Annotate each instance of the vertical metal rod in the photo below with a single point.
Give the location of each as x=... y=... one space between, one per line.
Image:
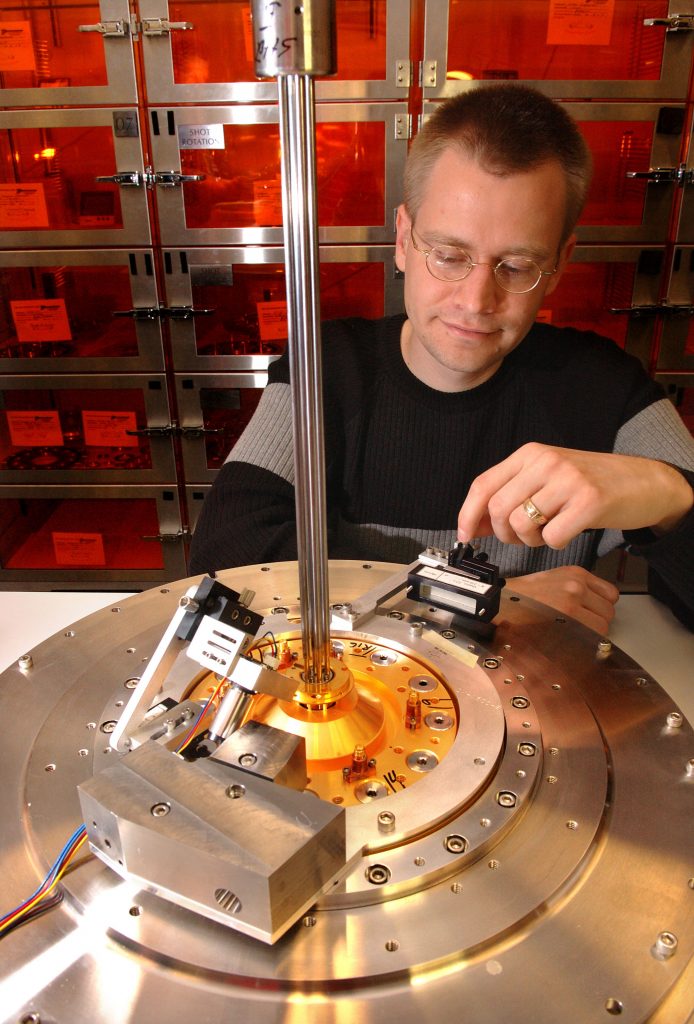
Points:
x=297 y=135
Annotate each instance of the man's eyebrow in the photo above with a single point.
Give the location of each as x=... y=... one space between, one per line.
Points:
x=538 y=254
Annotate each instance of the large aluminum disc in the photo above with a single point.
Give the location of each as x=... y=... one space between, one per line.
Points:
x=539 y=866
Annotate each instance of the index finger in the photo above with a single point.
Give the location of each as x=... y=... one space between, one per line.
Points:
x=473 y=519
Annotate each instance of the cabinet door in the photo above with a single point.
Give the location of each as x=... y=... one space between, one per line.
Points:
x=232 y=302
x=202 y=51
x=66 y=53
x=73 y=310
x=230 y=161
x=603 y=50
x=50 y=161
x=82 y=537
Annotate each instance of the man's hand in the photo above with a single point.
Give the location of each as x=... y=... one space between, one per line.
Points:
x=573 y=591
x=573 y=491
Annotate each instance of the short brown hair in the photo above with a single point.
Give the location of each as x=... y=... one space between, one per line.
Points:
x=508 y=129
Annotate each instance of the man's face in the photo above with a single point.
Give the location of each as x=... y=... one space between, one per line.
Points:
x=459 y=332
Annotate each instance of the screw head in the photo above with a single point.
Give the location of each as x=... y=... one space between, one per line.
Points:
x=159 y=810
x=664 y=946
x=26 y=661
x=675 y=720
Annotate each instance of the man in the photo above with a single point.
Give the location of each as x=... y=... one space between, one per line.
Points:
x=466 y=418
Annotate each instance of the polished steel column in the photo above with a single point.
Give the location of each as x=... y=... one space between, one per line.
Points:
x=294 y=42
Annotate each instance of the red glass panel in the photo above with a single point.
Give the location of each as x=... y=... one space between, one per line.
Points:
x=585 y=296
x=86 y=297
x=41 y=533
x=45 y=48
x=220 y=47
x=241 y=187
x=346 y=289
x=509 y=39
x=617 y=147
x=53 y=170
x=225 y=413
x=89 y=441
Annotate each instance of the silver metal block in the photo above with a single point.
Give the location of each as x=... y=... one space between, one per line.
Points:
x=267 y=753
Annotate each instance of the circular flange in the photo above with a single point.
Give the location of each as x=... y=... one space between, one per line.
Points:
x=556 y=877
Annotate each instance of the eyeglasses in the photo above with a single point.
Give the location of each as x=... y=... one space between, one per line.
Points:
x=514 y=274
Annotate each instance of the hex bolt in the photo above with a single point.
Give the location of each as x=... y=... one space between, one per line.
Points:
x=248 y=760
x=159 y=810
x=527 y=749
x=506 y=799
x=26 y=661
x=689 y=769
x=448 y=634
x=416 y=629
x=491 y=663
x=604 y=646
x=664 y=946
x=107 y=727
x=395 y=615
x=520 y=702
x=675 y=720
x=189 y=603
x=386 y=821
x=279 y=609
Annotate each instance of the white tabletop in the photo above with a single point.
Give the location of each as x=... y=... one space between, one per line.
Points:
x=642 y=627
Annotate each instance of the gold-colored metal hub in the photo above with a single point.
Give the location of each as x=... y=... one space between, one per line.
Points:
x=363 y=739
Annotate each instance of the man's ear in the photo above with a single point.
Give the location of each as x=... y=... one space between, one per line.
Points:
x=403 y=225
x=565 y=254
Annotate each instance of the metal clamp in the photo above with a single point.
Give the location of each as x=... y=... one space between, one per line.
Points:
x=169 y=538
x=142 y=313
x=170 y=179
x=200 y=431
x=131 y=178
x=108 y=29
x=184 y=312
x=162 y=26
x=674 y=23
x=680 y=175
x=165 y=431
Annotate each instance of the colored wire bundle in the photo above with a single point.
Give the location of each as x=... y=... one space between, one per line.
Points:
x=46 y=896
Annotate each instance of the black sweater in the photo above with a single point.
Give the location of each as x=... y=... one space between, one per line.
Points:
x=400 y=456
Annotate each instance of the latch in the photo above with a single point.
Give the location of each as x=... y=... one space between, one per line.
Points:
x=680 y=175
x=183 y=312
x=162 y=312
x=161 y=26
x=638 y=311
x=170 y=179
x=165 y=431
x=129 y=178
x=199 y=431
x=108 y=29
x=142 y=313
x=169 y=538
x=674 y=23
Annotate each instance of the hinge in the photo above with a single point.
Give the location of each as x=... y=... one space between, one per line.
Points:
x=162 y=27
x=674 y=23
x=166 y=431
x=639 y=311
x=403 y=126
x=428 y=74
x=403 y=73
x=670 y=309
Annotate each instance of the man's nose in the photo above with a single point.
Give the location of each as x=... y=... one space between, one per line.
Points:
x=478 y=292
